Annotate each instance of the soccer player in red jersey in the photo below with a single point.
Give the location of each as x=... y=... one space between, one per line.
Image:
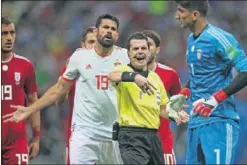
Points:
x=18 y=84
x=172 y=85
x=88 y=42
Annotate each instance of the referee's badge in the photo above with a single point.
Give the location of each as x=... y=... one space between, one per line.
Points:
x=199 y=54
x=158 y=95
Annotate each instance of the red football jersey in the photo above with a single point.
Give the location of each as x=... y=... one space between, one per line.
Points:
x=18 y=79
x=71 y=104
x=171 y=82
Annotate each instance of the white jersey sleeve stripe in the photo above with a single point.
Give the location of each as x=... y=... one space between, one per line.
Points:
x=222 y=36
x=223 y=41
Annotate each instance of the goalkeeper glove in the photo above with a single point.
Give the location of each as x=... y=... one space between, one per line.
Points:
x=204 y=107
x=177 y=101
x=178 y=117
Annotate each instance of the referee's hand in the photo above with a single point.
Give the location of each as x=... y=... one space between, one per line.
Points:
x=145 y=85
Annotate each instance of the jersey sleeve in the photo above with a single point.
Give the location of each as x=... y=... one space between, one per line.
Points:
x=176 y=86
x=230 y=50
x=63 y=70
x=163 y=98
x=30 y=85
x=71 y=72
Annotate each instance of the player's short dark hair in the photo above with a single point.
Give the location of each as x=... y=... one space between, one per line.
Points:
x=88 y=30
x=153 y=35
x=137 y=36
x=200 y=5
x=106 y=16
x=5 y=20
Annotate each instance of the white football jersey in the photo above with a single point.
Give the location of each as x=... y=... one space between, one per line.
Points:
x=95 y=102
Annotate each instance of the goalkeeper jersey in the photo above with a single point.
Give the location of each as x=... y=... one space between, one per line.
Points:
x=211 y=57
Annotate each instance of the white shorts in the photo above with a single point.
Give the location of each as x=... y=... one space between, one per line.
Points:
x=85 y=150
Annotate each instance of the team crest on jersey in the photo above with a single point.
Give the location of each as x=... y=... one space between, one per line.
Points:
x=17 y=78
x=117 y=63
x=199 y=54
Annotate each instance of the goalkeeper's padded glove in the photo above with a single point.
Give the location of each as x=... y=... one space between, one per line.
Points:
x=172 y=114
x=177 y=101
x=204 y=107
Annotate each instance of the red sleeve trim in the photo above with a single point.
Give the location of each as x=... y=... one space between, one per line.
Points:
x=66 y=79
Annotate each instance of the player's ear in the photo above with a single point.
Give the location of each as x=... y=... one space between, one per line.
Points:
x=157 y=50
x=195 y=15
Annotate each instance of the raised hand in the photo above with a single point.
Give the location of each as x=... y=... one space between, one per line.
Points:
x=144 y=84
x=20 y=114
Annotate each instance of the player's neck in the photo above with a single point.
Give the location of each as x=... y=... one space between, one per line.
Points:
x=199 y=26
x=152 y=66
x=102 y=51
x=6 y=56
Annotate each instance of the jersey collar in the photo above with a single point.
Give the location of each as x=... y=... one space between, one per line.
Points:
x=195 y=37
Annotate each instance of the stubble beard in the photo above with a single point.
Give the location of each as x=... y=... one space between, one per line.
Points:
x=105 y=44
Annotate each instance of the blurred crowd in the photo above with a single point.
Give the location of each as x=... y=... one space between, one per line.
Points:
x=49 y=31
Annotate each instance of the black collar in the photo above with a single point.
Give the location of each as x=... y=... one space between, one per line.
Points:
x=195 y=37
x=142 y=72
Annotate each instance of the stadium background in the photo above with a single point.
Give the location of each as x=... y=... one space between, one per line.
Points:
x=49 y=31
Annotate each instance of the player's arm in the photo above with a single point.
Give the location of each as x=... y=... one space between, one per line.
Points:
x=34 y=120
x=118 y=76
x=234 y=54
x=30 y=88
x=53 y=94
x=65 y=97
x=176 y=86
x=60 y=89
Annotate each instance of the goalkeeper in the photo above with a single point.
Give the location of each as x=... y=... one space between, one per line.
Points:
x=211 y=55
x=141 y=100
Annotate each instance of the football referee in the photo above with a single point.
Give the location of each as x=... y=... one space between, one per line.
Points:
x=141 y=100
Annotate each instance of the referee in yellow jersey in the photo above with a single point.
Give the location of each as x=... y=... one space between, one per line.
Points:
x=141 y=100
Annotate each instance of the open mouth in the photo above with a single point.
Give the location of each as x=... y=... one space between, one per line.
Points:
x=108 y=38
x=141 y=59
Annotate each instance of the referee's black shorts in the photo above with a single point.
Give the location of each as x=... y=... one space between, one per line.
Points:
x=140 y=146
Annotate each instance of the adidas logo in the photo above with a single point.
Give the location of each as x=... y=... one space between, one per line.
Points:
x=88 y=66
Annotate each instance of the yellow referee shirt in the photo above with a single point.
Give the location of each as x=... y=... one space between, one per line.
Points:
x=136 y=108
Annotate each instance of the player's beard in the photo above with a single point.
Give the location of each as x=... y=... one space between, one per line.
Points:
x=104 y=43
